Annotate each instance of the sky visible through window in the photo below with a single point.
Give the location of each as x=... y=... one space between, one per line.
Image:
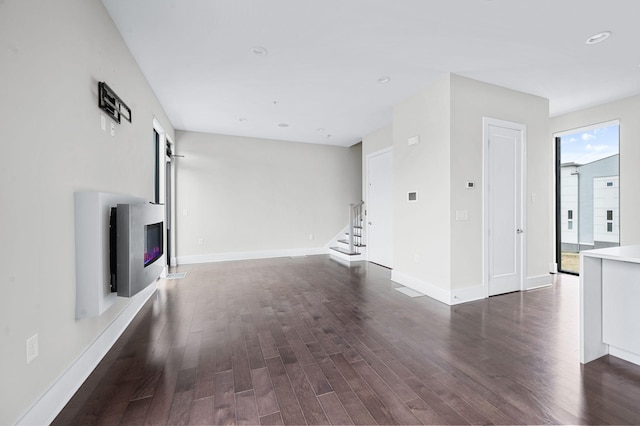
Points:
x=585 y=147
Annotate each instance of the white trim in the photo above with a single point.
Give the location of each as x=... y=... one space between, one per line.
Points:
x=377 y=153
x=49 y=405
x=247 y=255
x=346 y=259
x=540 y=281
x=562 y=133
x=158 y=126
x=486 y=122
x=431 y=290
x=380 y=152
x=467 y=294
x=625 y=355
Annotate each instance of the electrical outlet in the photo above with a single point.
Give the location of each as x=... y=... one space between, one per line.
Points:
x=311 y=236
x=200 y=241
x=32 y=348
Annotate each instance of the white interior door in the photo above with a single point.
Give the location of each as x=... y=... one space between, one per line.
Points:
x=380 y=208
x=504 y=146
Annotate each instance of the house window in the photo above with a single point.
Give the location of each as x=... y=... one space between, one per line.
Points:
x=609 y=183
x=570 y=214
x=609 y=220
x=570 y=225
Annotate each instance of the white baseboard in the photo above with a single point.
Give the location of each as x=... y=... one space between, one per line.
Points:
x=625 y=355
x=345 y=259
x=536 y=282
x=247 y=255
x=433 y=291
x=468 y=294
x=45 y=409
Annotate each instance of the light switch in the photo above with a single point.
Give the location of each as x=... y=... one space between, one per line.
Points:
x=462 y=215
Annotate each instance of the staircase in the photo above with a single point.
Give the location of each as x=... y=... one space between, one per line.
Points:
x=351 y=248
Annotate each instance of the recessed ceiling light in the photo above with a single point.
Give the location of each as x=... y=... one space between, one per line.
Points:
x=242 y=119
x=259 y=51
x=321 y=129
x=283 y=125
x=384 y=80
x=598 y=38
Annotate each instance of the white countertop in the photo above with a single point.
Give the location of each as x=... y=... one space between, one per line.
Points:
x=622 y=253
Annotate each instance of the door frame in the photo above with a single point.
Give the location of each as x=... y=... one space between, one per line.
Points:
x=486 y=122
x=367 y=201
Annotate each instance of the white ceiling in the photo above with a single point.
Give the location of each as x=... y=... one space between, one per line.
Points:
x=325 y=57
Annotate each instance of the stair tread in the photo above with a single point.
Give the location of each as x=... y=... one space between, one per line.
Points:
x=354 y=244
x=344 y=251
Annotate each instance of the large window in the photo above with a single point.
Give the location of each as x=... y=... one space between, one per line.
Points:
x=588 y=199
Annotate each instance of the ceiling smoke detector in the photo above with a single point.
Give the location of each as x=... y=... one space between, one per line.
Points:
x=283 y=125
x=384 y=80
x=598 y=38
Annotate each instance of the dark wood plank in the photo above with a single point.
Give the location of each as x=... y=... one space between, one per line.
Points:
x=307 y=399
x=354 y=406
x=272 y=419
x=267 y=344
x=181 y=408
x=309 y=336
x=224 y=410
x=334 y=409
x=317 y=379
x=398 y=409
x=264 y=393
x=287 y=401
x=202 y=412
x=376 y=407
x=136 y=412
x=246 y=408
x=163 y=395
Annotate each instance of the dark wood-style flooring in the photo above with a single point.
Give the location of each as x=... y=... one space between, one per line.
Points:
x=307 y=340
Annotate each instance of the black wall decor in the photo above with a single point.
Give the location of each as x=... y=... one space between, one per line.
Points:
x=111 y=103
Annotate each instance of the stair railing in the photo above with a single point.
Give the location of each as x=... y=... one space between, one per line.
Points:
x=355 y=225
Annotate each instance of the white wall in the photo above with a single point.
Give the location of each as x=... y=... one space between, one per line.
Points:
x=435 y=253
x=53 y=54
x=470 y=101
x=626 y=110
x=245 y=196
x=422 y=242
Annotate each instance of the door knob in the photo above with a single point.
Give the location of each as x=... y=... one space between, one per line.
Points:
x=519 y=231
x=369 y=223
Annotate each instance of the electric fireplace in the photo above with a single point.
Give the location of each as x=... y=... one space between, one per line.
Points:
x=153 y=248
x=137 y=247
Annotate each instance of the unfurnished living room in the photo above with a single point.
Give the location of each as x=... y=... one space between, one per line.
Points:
x=319 y=212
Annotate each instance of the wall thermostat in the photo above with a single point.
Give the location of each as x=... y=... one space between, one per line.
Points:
x=471 y=185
